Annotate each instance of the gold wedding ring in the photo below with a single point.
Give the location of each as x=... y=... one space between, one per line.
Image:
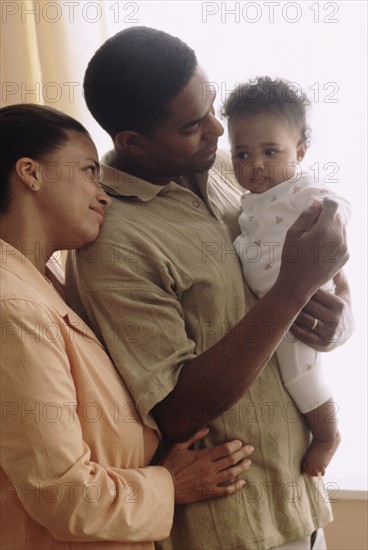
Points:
x=315 y=324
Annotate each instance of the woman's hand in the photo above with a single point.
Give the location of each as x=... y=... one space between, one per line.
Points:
x=201 y=474
x=333 y=314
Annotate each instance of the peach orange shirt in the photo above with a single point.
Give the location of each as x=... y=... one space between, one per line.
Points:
x=73 y=447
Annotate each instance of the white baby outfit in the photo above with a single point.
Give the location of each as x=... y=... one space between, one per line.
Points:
x=264 y=221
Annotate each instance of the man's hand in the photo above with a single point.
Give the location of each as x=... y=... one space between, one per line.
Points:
x=202 y=474
x=315 y=249
x=333 y=313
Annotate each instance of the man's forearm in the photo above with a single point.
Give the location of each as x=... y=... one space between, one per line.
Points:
x=225 y=372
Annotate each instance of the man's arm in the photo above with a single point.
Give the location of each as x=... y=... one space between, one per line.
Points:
x=225 y=372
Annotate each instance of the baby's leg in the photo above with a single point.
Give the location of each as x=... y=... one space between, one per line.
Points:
x=326 y=438
x=301 y=372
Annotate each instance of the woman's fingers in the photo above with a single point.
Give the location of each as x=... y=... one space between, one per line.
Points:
x=200 y=474
x=231 y=473
x=225 y=490
x=234 y=458
x=196 y=437
x=224 y=482
x=226 y=450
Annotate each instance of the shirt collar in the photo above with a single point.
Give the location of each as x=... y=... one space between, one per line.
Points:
x=121 y=184
x=118 y=183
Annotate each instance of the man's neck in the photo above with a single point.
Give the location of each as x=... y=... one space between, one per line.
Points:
x=190 y=182
x=124 y=165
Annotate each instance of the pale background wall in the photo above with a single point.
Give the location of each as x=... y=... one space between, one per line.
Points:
x=321 y=46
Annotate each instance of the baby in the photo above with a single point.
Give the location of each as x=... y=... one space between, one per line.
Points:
x=268 y=135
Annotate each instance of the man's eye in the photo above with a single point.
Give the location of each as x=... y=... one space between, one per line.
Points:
x=192 y=129
x=271 y=152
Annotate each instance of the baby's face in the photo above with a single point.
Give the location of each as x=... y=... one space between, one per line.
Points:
x=265 y=150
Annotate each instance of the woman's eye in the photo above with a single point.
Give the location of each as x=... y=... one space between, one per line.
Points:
x=271 y=152
x=91 y=172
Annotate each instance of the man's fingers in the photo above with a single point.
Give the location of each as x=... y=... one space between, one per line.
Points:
x=306 y=220
x=329 y=209
x=321 y=298
x=325 y=212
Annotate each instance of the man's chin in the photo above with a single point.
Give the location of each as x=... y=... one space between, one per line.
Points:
x=207 y=164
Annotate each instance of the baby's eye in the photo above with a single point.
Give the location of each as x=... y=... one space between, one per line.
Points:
x=242 y=155
x=270 y=152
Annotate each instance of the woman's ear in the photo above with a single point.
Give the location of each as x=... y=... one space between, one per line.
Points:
x=29 y=172
x=130 y=141
x=301 y=151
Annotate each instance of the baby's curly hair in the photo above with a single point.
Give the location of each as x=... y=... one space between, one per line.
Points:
x=278 y=96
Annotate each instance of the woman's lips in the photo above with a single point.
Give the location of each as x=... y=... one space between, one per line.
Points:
x=99 y=211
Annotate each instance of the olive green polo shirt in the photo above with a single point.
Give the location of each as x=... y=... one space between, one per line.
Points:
x=162 y=284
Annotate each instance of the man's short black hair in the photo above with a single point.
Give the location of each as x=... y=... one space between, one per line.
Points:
x=133 y=76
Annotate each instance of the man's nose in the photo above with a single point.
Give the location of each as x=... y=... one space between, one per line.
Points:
x=214 y=126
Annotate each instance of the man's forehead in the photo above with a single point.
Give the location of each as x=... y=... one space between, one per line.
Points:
x=194 y=101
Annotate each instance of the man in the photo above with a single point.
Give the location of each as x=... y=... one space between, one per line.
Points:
x=163 y=288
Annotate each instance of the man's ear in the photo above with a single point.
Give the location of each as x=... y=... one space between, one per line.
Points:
x=301 y=151
x=130 y=141
x=29 y=172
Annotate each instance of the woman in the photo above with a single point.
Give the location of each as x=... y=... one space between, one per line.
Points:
x=74 y=450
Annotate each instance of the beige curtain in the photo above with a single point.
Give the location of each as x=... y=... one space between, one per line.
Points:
x=45 y=48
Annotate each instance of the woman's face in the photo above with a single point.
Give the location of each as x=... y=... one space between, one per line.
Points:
x=71 y=199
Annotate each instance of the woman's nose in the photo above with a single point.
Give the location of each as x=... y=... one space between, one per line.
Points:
x=103 y=198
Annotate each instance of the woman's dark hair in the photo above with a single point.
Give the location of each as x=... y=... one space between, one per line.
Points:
x=28 y=130
x=265 y=95
x=133 y=76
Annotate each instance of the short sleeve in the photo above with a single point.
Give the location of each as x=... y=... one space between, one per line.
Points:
x=129 y=297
